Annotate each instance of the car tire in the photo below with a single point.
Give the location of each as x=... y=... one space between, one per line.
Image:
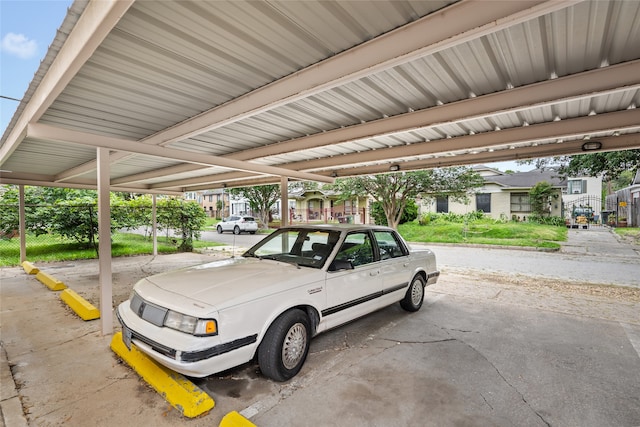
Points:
x=284 y=347
x=219 y=228
x=414 y=297
x=236 y=230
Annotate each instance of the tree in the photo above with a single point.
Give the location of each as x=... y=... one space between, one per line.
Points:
x=393 y=190
x=409 y=214
x=261 y=198
x=540 y=196
x=608 y=164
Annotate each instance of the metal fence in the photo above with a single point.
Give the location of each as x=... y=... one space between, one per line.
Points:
x=329 y=215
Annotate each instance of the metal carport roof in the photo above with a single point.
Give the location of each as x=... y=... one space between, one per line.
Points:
x=192 y=95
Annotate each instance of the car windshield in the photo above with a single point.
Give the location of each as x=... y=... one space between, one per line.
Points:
x=302 y=247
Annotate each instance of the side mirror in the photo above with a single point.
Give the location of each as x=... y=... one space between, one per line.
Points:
x=340 y=264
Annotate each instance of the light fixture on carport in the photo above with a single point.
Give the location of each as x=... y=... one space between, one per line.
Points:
x=591 y=145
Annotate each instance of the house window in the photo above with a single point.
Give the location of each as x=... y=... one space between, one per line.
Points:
x=483 y=202
x=442 y=204
x=520 y=202
x=348 y=207
x=577 y=186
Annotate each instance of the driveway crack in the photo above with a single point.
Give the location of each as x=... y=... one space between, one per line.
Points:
x=514 y=388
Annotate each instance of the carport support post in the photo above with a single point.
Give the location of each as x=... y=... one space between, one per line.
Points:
x=154 y=230
x=104 y=239
x=22 y=226
x=284 y=201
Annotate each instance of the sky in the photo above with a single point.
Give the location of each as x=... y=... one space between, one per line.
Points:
x=27 y=28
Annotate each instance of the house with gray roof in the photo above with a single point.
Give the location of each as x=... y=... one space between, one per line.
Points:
x=506 y=195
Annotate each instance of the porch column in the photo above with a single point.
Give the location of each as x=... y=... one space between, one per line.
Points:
x=104 y=239
x=22 y=227
x=284 y=201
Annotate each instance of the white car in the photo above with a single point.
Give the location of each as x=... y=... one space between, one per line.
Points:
x=269 y=303
x=238 y=224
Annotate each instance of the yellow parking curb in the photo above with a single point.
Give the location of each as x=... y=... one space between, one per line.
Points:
x=30 y=268
x=234 y=419
x=81 y=306
x=181 y=393
x=50 y=282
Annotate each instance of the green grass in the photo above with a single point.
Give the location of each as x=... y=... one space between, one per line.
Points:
x=485 y=231
x=48 y=248
x=629 y=234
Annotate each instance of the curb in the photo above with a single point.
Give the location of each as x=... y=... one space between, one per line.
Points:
x=181 y=393
x=50 y=282
x=81 y=306
x=29 y=268
x=11 y=412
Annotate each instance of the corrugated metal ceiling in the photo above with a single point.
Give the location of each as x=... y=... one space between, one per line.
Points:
x=229 y=78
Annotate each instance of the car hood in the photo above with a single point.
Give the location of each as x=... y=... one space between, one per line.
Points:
x=225 y=283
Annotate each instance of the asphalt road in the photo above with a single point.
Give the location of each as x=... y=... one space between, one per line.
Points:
x=589 y=256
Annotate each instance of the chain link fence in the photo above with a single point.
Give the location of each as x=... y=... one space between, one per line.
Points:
x=56 y=232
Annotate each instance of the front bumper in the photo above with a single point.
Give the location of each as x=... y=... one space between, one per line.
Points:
x=197 y=362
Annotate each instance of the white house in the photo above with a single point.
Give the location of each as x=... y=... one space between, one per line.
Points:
x=506 y=195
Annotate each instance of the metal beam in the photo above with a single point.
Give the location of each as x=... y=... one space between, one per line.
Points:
x=581 y=126
x=48 y=132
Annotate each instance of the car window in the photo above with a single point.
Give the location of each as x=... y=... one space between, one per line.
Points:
x=388 y=245
x=356 y=248
x=303 y=247
x=249 y=218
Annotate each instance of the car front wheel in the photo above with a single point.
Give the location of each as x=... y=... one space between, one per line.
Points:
x=284 y=347
x=236 y=230
x=219 y=229
x=414 y=297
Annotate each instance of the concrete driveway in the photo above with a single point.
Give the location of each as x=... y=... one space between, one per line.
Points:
x=488 y=348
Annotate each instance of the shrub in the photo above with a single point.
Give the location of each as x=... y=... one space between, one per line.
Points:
x=410 y=212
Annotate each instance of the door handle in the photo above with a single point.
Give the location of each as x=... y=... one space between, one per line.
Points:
x=406 y=264
x=374 y=273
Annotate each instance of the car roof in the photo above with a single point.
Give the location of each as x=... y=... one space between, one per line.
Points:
x=339 y=227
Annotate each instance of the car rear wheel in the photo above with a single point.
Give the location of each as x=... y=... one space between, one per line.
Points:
x=219 y=229
x=414 y=297
x=236 y=230
x=284 y=347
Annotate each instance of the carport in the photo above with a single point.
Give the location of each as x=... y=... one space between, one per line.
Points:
x=175 y=96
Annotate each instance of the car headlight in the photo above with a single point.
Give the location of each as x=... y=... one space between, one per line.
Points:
x=190 y=325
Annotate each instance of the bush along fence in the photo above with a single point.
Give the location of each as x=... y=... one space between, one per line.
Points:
x=71 y=225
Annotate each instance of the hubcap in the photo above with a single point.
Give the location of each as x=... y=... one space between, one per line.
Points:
x=416 y=292
x=293 y=346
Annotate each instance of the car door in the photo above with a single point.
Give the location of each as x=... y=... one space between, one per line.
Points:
x=351 y=293
x=395 y=268
x=229 y=223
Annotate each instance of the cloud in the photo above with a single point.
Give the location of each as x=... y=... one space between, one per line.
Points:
x=19 y=45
